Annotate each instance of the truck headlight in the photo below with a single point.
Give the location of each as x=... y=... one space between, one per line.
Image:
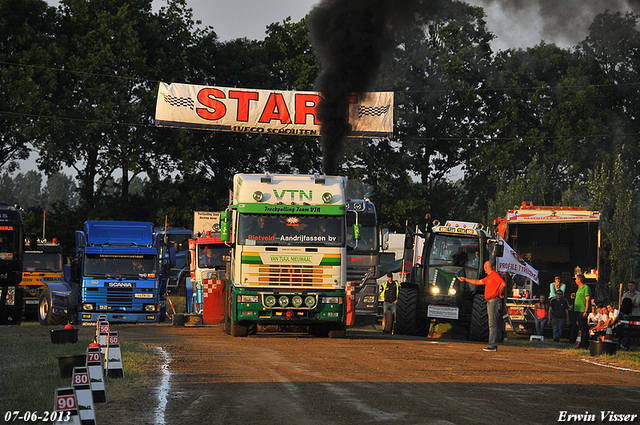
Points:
x=452 y=291
x=270 y=301
x=369 y=299
x=249 y=299
x=435 y=290
x=150 y=308
x=309 y=301
x=331 y=300
x=296 y=301
x=87 y=307
x=283 y=301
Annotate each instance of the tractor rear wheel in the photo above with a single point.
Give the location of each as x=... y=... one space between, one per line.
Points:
x=479 y=326
x=406 y=311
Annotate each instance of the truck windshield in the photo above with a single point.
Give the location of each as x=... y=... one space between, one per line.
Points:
x=368 y=232
x=179 y=241
x=7 y=234
x=287 y=230
x=212 y=255
x=111 y=265
x=454 y=253
x=42 y=261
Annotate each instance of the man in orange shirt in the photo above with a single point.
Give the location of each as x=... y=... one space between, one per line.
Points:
x=493 y=293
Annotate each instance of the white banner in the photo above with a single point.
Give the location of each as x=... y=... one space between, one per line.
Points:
x=266 y=111
x=511 y=262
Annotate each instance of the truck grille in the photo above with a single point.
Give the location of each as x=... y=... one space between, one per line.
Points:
x=288 y=275
x=119 y=297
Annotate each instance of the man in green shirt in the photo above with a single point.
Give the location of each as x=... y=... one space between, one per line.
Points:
x=581 y=309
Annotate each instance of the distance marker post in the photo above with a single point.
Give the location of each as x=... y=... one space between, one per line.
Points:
x=113 y=357
x=84 y=397
x=102 y=328
x=66 y=407
x=96 y=374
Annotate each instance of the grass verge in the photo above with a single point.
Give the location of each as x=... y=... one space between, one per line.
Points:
x=30 y=373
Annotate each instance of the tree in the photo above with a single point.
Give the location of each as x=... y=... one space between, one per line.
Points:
x=611 y=193
x=437 y=66
x=60 y=188
x=26 y=31
x=106 y=99
x=613 y=44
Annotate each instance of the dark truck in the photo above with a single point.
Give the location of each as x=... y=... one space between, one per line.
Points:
x=11 y=258
x=43 y=261
x=364 y=258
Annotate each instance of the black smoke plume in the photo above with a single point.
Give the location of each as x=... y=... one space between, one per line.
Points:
x=351 y=38
x=564 y=21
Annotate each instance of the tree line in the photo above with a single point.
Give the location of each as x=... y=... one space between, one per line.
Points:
x=546 y=125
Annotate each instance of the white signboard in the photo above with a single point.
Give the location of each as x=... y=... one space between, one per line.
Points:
x=440 y=312
x=266 y=111
x=206 y=221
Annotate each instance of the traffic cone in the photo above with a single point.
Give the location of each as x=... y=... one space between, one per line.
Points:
x=578 y=340
x=608 y=337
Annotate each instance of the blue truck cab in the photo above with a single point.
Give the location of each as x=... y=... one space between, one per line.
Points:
x=119 y=271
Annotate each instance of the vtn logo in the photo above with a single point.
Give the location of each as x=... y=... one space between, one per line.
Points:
x=301 y=194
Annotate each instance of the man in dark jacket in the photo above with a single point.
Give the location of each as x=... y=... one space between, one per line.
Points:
x=390 y=294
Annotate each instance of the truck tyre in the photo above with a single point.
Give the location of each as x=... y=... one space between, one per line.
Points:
x=45 y=310
x=338 y=331
x=479 y=326
x=319 y=330
x=406 y=311
x=387 y=322
x=239 y=330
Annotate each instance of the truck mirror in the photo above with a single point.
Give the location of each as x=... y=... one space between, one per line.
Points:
x=385 y=239
x=225 y=227
x=498 y=250
x=75 y=270
x=357 y=228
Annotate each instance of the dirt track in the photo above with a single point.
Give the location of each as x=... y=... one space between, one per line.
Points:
x=368 y=377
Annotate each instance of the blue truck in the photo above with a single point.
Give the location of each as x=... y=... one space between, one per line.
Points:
x=178 y=238
x=120 y=271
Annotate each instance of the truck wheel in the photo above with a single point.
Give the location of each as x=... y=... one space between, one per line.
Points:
x=338 y=331
x=45 y=314
x=387 y=322
x=319 y=331
x=479 y=326
x=406 y=311
x=239 y=330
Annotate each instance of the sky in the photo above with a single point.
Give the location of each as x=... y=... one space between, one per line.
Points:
x=516 y=23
